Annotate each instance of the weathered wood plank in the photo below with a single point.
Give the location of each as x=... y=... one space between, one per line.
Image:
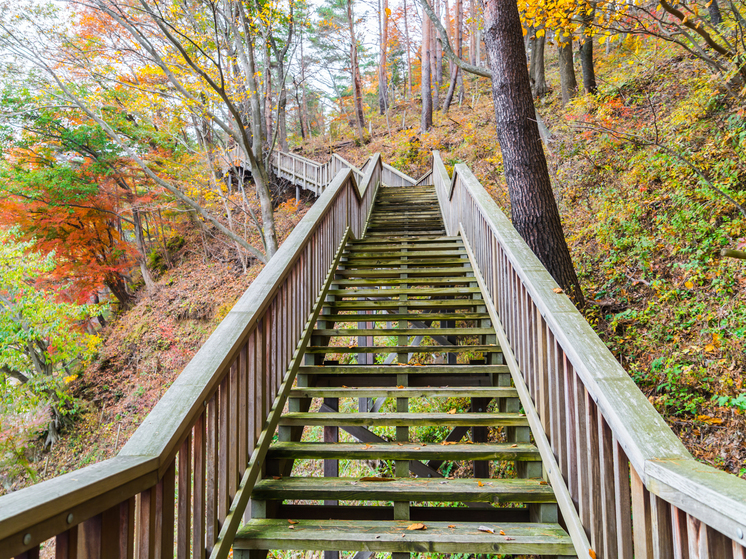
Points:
x=405 y=451
x=540 y=539
x=405 y=489
x=403 y=419
x=371 y=392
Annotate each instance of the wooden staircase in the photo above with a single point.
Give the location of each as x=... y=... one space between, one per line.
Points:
x=418 y=412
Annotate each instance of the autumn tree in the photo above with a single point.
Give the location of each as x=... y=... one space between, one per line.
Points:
x=42 y=341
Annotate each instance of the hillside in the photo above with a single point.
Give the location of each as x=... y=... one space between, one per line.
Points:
x=144 y=350
x=645 y=231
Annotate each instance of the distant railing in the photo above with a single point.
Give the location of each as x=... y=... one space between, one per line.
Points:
x=180 y=485
x=636 y=489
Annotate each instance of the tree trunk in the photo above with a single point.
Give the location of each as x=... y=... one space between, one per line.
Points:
x=268 y=96
x=409 y=60
x=261 y=177
x=451 y=89
x=714 y=10
x=382 y=79
x=568 y=82
x=282 y=131
x=460 y=45
x=538 y=78
x=303 y=84
x=586 y=54
x=142 y=249
x=357 y=82
x=473 y=34
x=426 y=121
x=438 y=59
x=533 y=208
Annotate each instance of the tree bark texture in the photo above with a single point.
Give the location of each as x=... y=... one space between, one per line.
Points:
x=426 y=121
x=533 y=208
x=409 y=60
x=568 y=83
x=536 y=68
x=383 y=102
x=460 y=45
x=586 y=54
x=715 y=17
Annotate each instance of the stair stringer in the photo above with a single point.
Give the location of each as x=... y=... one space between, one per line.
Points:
x=551 y=470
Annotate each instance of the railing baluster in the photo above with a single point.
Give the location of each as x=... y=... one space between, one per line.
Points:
x=146 y=538
x=608 y=496
x=165 y=494
x=200 y=481
x=185 y=499
x=66 y=544
x=211 y=481
x=641 y=518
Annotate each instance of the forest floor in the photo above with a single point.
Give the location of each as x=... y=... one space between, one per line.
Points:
x=145 y=348
x=644 y=232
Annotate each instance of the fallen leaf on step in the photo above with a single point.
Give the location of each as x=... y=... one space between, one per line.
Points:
x=276 y=477
x=451 y=525
x=502 y=533
x=513 y=445
x=557 y=290
x=486 y=529
x=418 y=526
x=400 y=386
x=417 y=448
x=292 y=521
x=453 y=411
x=592 y=554
x=291 y=527
x=367 y=446
x=480 y=484
x=400 y=444
x=542 y=483
x=509 y=539
x=424 y=444
x=451 y=477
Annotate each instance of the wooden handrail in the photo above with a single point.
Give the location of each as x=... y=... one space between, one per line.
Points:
x=634 y=485
x=192 y=456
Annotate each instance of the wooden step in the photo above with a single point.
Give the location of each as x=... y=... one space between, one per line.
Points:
x=418 y=292
x=427 y=272
x=406 y=349
x=441 y=239
x=371 y=248
x=410 y=317
x=395 y=419
x=403 y=331
x=521 y=452
x=394 y=262
x=422 y=304
x=437 y=392
x=393 y=536
x=402 y=369
x=404 y=489
x=381 y=282
x=362 y=255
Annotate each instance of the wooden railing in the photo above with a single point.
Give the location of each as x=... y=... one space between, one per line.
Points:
x=635 y=489
x=180 y=485
x=308 y=174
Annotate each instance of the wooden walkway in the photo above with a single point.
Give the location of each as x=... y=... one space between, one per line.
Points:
x=418 y=411
x=493 y=375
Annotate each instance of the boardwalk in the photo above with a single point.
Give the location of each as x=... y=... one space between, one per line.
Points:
x=381 y=258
